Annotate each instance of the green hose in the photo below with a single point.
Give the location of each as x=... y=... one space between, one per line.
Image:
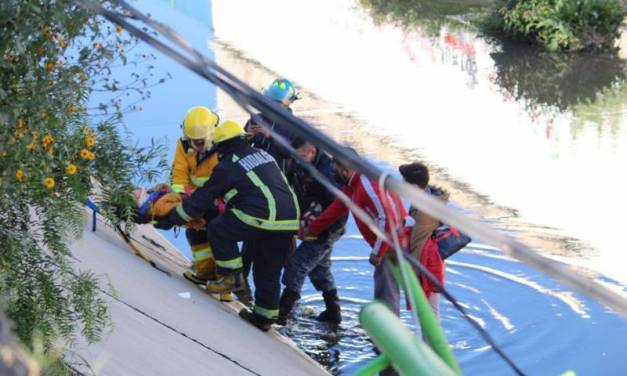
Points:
x=375 y=366
x=428 y=321
x=408 y=354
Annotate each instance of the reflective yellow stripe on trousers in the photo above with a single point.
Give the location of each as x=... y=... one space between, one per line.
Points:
x=202 y=254
x=265 y=312
x=235 y=263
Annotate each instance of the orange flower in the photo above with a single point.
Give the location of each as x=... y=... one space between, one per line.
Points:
x=19 y=175
x=49 y=65
x=91 y=156
x=32 y=145
x=49 y=182
x=85 y=153
x=71 y=109
x=90 y=142
x=118 y=29
x=47 y=140
x=71 y=169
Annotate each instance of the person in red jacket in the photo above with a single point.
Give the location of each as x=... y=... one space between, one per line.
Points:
x=385 y=209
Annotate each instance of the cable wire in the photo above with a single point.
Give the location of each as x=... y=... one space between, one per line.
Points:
x=244 y=93
x=394 y=242
x=248 y=97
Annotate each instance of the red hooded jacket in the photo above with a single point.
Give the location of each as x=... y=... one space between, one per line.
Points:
x=365 y=193
x=430 y=258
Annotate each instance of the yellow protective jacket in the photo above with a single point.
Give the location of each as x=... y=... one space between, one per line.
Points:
x=191 y=169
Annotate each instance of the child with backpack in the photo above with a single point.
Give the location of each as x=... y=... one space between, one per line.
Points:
x=421 y=244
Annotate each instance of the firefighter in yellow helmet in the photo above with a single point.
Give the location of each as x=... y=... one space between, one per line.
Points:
x=193 y=161
x=193 y=164
x=261 y=209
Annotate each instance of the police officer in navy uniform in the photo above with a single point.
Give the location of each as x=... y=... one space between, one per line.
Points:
x=261 y=209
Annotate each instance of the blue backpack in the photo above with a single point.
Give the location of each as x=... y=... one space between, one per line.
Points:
x=449 y=240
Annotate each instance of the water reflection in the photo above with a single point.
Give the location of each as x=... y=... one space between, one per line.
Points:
x=428 y=15
x=555 y=81
x=609 y=109
x=541 y=80
x=513 y=313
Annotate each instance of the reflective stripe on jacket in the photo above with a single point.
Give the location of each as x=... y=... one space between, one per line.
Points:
x=189 y=169
x=253 y=188
x=365 y=193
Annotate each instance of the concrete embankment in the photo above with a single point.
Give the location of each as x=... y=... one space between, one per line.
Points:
x=163 y=325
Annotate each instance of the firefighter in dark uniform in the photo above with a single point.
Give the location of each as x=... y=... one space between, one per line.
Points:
x=260 y=129
x=261 y=209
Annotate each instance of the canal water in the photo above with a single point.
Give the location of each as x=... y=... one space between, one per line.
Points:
x=529 y=142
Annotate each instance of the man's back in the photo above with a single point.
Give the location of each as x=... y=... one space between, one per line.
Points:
x=257 y=186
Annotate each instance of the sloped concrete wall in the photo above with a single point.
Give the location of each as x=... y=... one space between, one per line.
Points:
x=164 y=325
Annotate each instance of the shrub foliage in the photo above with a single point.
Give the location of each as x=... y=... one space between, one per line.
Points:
x=561 y=24
x=55 y=152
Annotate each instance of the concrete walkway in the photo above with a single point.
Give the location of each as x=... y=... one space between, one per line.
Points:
x=164 y=325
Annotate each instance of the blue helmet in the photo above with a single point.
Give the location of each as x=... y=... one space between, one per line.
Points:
x=281 y=90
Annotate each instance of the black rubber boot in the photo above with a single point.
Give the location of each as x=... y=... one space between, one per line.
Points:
x=332 y=314
x=286 y=304
x=253 y=318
